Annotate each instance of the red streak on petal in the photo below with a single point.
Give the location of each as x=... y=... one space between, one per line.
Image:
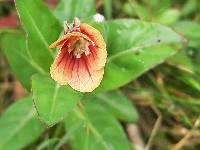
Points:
x=69 y=64
x=86 y=33
x=63 y=53
x=78 y=69
x=86 y=66
x=72 y=66
x=93 y=50
x=92 y=53
x=66 y=61
x=69 y=61
x=61 y=59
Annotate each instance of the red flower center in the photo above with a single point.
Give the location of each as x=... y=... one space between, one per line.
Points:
x=78 y=47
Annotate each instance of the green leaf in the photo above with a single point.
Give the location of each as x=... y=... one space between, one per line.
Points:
x=126 y=34
x=169 y=16
x=9 y=30
x=19 y=126
x=108 y=8
x=68 y=9
x=118 y=104
x=136 y=9
x=47 y=143
x=182 y=58
x=67 y=135
x=18 y=57
x=42 y=29
x=133 y=48
x=191 y=30
x=100 y=132
x=189 y=8
x=53 y=102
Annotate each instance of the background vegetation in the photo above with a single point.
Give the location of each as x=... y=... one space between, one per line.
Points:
x=149 y=97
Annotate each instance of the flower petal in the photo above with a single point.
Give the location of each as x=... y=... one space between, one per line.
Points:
x=96 y=58
x=67 y=36
x=82 y=77
x=57 y=69
x=83 y=74
x=77 y=72
x=99 y=50
x=94 y=35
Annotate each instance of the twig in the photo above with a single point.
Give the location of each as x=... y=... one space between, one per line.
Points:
x=155 y=128
x=135 y=136
x=183 y=141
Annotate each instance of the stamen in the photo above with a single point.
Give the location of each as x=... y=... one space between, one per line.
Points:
x=78 y=56
x=87 y=51
x=79 y=47
x=76 y=25
x=66 y=27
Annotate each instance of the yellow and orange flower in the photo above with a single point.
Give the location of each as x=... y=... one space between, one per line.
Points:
x=81 y=59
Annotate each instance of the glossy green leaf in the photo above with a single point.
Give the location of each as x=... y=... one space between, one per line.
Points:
x=19 y=126
x=68 y=9
x=133 y=48
x=118 y=104
x=129 y=66
x=100 y=132
x=18 y=57
x=130 y=34
x=53 y=102
x=42 y=29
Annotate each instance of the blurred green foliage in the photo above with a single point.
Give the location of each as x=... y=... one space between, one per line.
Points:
x=153 y=32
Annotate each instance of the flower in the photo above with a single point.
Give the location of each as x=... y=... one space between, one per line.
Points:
x=81 y=58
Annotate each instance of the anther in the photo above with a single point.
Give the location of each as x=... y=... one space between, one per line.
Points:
x=66 y=27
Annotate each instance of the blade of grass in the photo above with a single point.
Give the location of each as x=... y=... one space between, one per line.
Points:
x=67 y=135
